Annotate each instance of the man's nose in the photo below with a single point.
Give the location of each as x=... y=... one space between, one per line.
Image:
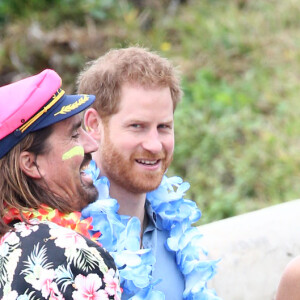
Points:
x=152 y=142
x=89 y=144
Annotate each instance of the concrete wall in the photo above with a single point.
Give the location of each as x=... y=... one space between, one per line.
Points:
x=254 y=248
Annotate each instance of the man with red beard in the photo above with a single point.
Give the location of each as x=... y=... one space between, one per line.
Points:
x=132 y=119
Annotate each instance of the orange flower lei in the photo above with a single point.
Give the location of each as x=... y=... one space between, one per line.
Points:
x=46 y=213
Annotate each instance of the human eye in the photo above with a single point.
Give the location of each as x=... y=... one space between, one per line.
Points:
x=135 y=125
x=75 y=130
x=75 y=135
x=165 y=126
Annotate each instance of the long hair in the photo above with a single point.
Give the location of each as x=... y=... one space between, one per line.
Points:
x=105 y=76
x=19 y=190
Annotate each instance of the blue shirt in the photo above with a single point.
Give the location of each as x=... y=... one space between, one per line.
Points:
x=165 y=268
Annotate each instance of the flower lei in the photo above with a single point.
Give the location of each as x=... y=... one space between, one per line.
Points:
x=122 y=238
x=45 y=213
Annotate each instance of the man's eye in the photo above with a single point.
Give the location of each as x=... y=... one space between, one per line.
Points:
x=75 y=135
x=165 y=126
x=136 y=125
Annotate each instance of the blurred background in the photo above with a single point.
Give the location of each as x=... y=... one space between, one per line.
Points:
x=237 y=128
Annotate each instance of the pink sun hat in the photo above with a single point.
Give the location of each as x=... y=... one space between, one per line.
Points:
x=35 y=103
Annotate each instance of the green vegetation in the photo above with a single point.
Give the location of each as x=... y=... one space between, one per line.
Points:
x=237 y=128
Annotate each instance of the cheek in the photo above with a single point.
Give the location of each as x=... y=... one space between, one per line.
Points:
x=73 y=163
x=49 y=165
x=76 y=151
x=169 y=145
x=127 y=143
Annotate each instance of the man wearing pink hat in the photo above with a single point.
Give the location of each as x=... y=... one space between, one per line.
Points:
x=46 y=250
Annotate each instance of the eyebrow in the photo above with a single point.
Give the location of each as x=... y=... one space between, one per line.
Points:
x=143 y=121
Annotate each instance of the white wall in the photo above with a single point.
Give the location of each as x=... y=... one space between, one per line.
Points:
x=254 y=248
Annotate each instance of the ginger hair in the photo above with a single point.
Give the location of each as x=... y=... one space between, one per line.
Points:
x=105 y=76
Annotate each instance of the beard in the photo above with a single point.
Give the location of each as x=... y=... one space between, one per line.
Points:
x=124 y=171
x=87 y=192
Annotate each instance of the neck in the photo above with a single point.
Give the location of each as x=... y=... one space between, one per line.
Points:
x=131 y=204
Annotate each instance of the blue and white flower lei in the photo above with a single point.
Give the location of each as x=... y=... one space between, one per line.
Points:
x=121 y=237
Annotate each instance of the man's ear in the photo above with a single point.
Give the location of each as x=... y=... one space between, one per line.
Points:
x=28 y=164
x=93 y=123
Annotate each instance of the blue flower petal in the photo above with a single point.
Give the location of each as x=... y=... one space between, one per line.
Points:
x=121 y=237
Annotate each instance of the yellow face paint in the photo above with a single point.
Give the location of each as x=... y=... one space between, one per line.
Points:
x=77 y=150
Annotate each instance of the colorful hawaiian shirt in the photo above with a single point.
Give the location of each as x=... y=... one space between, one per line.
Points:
x=42 y=260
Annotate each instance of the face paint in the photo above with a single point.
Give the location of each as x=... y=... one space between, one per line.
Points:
x=77 y=150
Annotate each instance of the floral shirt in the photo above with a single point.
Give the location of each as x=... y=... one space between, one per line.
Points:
x=46 y=261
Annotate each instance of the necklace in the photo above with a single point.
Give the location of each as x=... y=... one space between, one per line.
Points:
x=121 y=237
x=44 y=212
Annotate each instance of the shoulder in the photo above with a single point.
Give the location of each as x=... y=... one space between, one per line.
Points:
x=45 y=252
x=55 y=240
x=63 y=240
x=292 y=270
x=289 y=286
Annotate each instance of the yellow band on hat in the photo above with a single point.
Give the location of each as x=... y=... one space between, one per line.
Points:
x=67 y=108
x=55 y=98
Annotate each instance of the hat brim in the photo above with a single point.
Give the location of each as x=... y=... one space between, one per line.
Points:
x=66 y=107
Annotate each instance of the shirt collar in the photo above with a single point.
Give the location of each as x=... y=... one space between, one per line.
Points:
x=151 y=216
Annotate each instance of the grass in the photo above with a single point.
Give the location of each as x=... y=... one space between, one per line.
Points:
x=237 y=128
